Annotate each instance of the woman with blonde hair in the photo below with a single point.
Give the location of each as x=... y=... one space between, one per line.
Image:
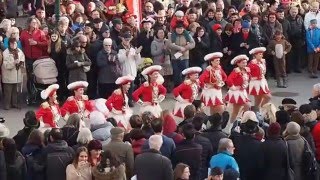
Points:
x=13 y=32
x=268 y=112
x=5 y=25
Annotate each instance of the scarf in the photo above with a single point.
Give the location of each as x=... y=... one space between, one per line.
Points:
x=14 y=52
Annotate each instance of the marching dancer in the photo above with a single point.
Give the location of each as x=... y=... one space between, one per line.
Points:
x=238 y=82
x=187 y=91
x=152 y=92
x=212 y=80
x=79 y=103
x=117 y=103
x=49 y=112
x=258 y=86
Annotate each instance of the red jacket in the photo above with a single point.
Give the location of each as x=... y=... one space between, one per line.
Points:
x=71 y=106
x=115 y=101
x=236 y=78
x=257 y=69
x=210 y=77
x=35 y=51
x=46 y=114
x=146 y=92
x=185 y=90
x=316 y=137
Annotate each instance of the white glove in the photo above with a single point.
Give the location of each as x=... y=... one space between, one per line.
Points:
x=180 y=99
x=116 y=111
x=161 y=98
x=233 y=88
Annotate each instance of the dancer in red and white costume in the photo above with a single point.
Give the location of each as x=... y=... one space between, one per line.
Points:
x=49 y=112
x=238 y=82
x=258 y=85
x=79 y=103
x=117 y=103
x=152 y=92
x=187 y=91
x=211 y=82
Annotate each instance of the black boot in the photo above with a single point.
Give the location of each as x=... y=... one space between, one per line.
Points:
x=285 y=82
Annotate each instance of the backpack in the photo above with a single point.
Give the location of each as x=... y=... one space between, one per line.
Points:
x=310 y=165
x=57 y=163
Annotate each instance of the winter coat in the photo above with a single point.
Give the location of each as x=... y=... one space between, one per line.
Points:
x=34 y=51
x=57 y=156
x=214 y=134
x=124 y=152
x=286 y=28
x=274 y=159
x=108 y=67
x=248 y=154
x=145 y=42
x=101 y=132
x=224 y=160
x=70 y=135
x=34 y=161
x=137 y=146
x=10 y=74
x=118 y=173
x=77 y=73
x=268 y=30
x=312 y=39
x=59 y=58
x=6 y=43
x=3 y=169
x=238 y=38
x=129 y=63
x=158 y=50
x=81 y=173
x=170 y=128
x=21 y=137
x=200 y=50
x=315 y=131
x=17 y=170
x=180 y=41
x=205 y=155
x=182 y=154
x=223 y=23
x=167 y=149
x=152 y=165
x=297 y=31
x=296 y=148
x=215 y=42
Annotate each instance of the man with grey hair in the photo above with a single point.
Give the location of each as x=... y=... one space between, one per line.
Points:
x=151 y=164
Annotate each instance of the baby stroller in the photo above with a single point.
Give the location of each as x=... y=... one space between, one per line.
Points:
x=44 y=74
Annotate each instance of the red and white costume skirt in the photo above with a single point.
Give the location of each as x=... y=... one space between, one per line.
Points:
x=155 y=109
x=122 y=118
x=179 y=108
x=212 y=97
x=239 y=96
x=258 y=87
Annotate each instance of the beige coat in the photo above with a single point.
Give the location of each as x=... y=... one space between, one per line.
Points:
x=8 y=69
x=82 y=173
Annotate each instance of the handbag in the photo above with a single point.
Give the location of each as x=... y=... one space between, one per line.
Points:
x=290 y=172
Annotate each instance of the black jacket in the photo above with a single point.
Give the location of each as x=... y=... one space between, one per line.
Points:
x=183 y=153
x=215 y=43
x=206 y=154
x=145 y=42
x=70 y=135
x=18 y=169
x=22 y=137
x=3 y=170
x=152 y=165
x=199 y=51
x=248 y=154
x=237 y=39
x=214 y=135
x=34 y=161
x=274 y=159
x=57 y=156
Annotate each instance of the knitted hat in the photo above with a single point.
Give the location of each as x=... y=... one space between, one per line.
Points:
x=282 y=117
x=216 y=27
x=94 y=145
x=116 y=131
x=274 y=129
x=245 y=24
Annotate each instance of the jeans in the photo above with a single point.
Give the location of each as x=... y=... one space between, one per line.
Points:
x=178 y=66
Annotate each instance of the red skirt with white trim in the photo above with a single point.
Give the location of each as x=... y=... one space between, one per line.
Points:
x=239 y=97
x=122 y=119
x=156 y=110
x=258 y=87
x=212 y=97
x=179 y=108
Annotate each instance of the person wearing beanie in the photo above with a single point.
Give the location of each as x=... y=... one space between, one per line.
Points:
x=274 y=153
x=279 y=47
x=94 y=152
x=289 y=105
x=121 y=150
x=216 y=43
x=30 y=123
x=245 y=40
x=237 y=82
x=115 y=30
